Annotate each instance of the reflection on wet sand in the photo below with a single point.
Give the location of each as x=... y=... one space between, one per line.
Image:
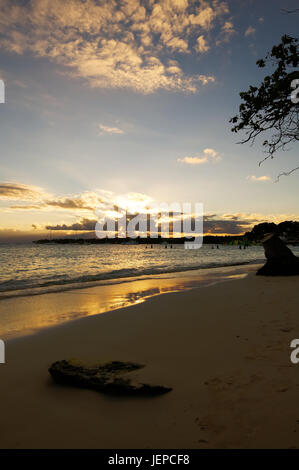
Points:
x=24 y=315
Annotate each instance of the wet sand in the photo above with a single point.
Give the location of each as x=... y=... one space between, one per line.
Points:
x=22 y=313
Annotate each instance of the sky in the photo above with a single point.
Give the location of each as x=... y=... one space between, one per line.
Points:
x=130 y=101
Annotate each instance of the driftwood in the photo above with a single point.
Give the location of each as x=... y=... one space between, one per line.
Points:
x=280 y=259
x=114 y=378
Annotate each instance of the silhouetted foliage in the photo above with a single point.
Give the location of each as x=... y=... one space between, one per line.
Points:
x=269 y=108
x=288 y=229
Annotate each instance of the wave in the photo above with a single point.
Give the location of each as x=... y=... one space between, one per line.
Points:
x=13 y=288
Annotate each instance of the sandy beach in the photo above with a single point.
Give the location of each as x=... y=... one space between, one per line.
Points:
x=224 y=348
x=149 y=229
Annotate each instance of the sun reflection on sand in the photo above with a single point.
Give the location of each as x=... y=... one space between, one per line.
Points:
x=28 y=314
x=25 y=315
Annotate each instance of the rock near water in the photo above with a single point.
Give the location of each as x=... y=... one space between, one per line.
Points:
x=113 y=378
x=280 y=259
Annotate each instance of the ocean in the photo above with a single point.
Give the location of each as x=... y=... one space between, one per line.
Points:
x=26 y=267
x=96 y=279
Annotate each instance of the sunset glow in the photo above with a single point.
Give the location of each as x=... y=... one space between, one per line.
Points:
x=128 y=103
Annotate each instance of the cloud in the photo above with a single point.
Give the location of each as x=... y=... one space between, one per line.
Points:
x=238 y=224
x=84 y=225
x=262 y=179
x=250 y=31
x=109 y=130
x=214 y=224
x=43 y=201
x=84 y=202
x=83 y=209
x=193 y=160
x=209 y=155
x=213 y=154
x=202 y=45
x=87 y=202
x=228 y=27
x=219 y=225
x=112 y=44
x=207 y=12
x=227 y=31
x=18 y=191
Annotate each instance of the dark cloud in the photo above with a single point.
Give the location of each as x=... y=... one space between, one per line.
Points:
x=26 y=207
x=70 y=203
x=40 y=200
x=84 y=225
x=212 y=225
x=19 y=191
x=227 y=226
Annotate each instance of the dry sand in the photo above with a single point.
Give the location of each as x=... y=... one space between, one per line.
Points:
x=225 y=350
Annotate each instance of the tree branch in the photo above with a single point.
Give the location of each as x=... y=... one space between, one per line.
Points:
x=286 y=173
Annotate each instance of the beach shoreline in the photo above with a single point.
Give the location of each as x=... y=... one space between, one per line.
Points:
x=224 y=349
x=29 y=314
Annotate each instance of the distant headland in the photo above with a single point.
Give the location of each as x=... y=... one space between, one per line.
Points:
x=288 y=231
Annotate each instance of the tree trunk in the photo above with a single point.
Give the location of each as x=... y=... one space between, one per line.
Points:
x=280 y=259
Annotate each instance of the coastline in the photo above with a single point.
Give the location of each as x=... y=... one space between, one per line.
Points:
x=104 y=279
x=58 y=269
x=29 y=314
x=224 y=348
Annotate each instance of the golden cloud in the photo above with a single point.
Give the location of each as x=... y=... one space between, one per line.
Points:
x=209 y=155
x=114 y=44
x=42 y=201
x=18 y=191
x=82 y=210
x=202 y=45
x=109 y=130
x=193 y=160
x=262 y=179
x=250 y=31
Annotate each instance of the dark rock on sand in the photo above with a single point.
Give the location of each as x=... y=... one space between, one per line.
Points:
x=112 y=378
x=280 y=259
